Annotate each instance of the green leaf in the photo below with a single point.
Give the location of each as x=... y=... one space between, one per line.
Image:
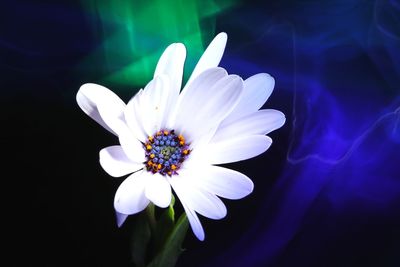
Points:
x=172 y=247
x=140 y=239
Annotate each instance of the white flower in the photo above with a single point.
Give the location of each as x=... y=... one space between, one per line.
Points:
x=168 y=138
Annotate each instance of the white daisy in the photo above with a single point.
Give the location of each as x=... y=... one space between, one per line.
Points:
x=172 y=138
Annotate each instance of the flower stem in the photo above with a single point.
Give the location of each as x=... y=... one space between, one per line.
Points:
x=151 y=217
x=157 y=242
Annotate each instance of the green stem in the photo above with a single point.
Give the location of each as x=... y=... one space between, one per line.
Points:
x=151 y=217
x=158 y=242
x=169 y=253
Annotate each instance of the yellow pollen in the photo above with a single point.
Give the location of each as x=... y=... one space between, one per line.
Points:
x=151 y=138
x=173 y=167
x=185 y=152
x=152 y=156
x=149 y=163
x=148 y=147
x=169 y=173
x=182 y=142
x=166 y=132
x=158 y=133
x=180 y=137
x=159 y=166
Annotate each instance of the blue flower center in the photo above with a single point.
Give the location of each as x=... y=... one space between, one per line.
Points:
x=165 y=152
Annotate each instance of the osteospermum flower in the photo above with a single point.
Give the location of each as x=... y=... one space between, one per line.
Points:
x=175 y=139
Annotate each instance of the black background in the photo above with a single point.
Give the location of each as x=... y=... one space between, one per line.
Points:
x=59 y=202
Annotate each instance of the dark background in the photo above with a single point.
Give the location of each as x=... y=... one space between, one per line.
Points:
x=327 y=193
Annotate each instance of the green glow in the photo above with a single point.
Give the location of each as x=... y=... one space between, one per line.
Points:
x=133 y=34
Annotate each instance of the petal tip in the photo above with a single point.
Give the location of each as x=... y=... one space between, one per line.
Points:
x=120 y=218
x=283 y=120
x=158 y=191
x=267 y=77
x=180 y=46
x=251 y=187
x=199 y=233
x=268 y=143
x=222 y=36
x=160 y=203
x=237 y=78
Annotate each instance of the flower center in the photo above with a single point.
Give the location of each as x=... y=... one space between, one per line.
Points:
x=165 y=152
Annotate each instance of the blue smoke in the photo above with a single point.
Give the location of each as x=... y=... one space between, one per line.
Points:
x=338 y=195
x=328 y=192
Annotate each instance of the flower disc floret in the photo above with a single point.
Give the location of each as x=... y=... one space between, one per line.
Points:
x=165 y=152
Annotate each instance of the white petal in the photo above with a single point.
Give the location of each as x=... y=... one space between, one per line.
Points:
x=120 y=218
x=211 y=56
x=158 y=190
x=257 y=90
x=206 y=102
x=159 y=101
x=197 y=198
x=258 y=123
x=130 y=197
x=224 y=182
x=91 y=95
x=133 y=117
x=237 y=149
x=194 y=221
x=171 y=63
x=132 y=147
x=153 y=104
x=205 y=80
x=115 y=162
